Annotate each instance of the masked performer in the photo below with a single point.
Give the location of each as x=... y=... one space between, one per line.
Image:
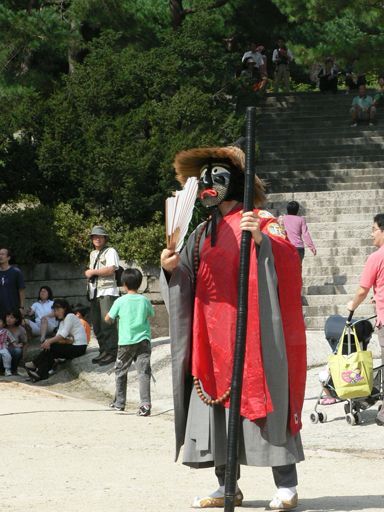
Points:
x=199 y=287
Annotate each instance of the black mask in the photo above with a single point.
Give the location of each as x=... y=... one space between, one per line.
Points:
x=219 y=182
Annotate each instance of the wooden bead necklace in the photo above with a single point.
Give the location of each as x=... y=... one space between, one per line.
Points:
x=205 y=399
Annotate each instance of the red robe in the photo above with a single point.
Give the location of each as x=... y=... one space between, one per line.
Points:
x=215 y=314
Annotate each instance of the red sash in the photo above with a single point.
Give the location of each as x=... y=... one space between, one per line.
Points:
x=215 y=314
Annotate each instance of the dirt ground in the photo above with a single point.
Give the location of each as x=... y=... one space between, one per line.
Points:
x=63 y=449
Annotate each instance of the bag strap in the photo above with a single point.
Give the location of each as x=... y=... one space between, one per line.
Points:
x=341 y=341
x=104 y=249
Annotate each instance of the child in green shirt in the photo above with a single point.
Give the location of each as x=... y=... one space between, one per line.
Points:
x=133 y=311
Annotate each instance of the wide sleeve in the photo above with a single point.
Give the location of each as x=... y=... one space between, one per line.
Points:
x=177 y=291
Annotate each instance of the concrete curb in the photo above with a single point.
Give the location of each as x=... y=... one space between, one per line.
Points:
x=102 y=377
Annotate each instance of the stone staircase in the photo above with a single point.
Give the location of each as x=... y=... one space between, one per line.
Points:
x=309 y=153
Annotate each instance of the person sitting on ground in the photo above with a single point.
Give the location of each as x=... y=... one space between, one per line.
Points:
x=13 y=321
x=69 y=342
x=133 y=311
x=44 y=322
x=81 y=312
x=353 y=77
x=378 y=98
x=297 y=229
x=328 y=76
x=5 y=343
x=363 y=108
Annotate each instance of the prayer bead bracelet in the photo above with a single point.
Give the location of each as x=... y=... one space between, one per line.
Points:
x=209 y=401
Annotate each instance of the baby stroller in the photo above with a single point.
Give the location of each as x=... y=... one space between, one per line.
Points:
x=335 y=334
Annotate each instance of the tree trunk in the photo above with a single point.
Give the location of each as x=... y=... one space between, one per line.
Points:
x=178 y=13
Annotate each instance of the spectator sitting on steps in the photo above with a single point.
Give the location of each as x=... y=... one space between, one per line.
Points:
x=363 y=108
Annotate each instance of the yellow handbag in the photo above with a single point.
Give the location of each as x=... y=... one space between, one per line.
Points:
x=352 y=374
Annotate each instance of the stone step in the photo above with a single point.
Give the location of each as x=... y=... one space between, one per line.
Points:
x=330 y=207
x=276 y=186
x=353 y=141
x=330 y=289
x=329 y=279
x=326 y=212
x=333 y=270
x=323 y=158
x=271 y=132
x=324 y=301
x=343 y=251
x=308 y=97
x=327 y=244
x=327 y=196
x=340 y=233
x=311 y=153
x=332 y=261
x=339 y=175
x=365 y=310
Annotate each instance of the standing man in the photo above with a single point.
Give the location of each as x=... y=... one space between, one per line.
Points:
x=103 y=291
x=200 y=287
x=373 y=276
x=281 y=58
x=12 y=287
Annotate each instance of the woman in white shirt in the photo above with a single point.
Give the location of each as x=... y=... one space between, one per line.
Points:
x=69 y=342
x=44 y=320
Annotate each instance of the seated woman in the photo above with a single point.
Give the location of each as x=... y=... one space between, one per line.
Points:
x=44 y=320
x=18 y=334
x=69 y=342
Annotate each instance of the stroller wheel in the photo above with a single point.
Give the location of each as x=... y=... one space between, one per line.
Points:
x=353 y=419
x=322 y=417
x=314 y=417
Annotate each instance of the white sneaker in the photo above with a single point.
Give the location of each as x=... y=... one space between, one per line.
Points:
x=371 y=124
x=353 y=125
x=7 y=373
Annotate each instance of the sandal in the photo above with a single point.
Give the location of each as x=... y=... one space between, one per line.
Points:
x=216 y=500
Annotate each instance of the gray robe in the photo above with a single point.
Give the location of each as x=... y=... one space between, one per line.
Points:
x=201 y=428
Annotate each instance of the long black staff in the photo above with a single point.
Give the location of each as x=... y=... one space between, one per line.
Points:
x=241 y=325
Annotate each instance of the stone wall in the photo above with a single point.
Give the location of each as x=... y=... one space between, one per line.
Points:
x=68 y=281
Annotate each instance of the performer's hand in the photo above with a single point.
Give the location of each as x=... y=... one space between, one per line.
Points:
x=89 y=273
x=251 y=222
x=169 y=260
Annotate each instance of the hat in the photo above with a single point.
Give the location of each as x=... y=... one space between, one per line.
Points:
x=188 y=163
x=98 y=230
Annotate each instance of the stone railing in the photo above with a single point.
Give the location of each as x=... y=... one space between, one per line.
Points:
x=68 y=281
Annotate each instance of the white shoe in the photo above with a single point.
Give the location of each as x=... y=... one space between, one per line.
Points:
x=283 y=504
x=353 y=125
x=7 y=373
x=371 y=124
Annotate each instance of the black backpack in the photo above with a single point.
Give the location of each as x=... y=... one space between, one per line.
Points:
x=118 y=274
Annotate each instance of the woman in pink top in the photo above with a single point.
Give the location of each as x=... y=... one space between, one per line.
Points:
x=297 y=229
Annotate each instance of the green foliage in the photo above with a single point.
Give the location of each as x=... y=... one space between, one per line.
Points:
x=142 y=244
x=96 y=99
x=345 y=29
